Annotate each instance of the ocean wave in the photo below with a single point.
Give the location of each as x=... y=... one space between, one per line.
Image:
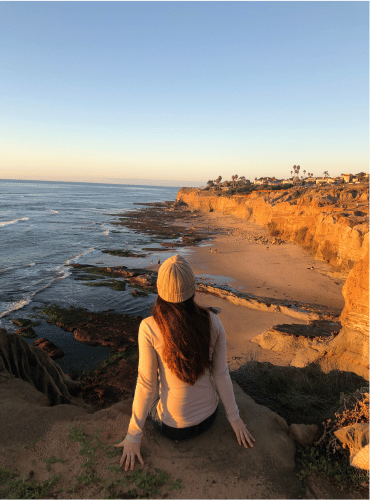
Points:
x=52 y=211
x=14 y=306
x=31 y=264
x=79 y=255
x=7 y=223
x=2 y=270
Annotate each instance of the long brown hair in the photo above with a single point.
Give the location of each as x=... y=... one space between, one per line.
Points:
x=186 y=331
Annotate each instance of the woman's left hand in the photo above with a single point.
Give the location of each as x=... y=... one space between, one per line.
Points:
x=130 y=452
x=243 y=435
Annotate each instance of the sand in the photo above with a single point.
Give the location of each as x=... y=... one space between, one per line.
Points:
x=277 y=271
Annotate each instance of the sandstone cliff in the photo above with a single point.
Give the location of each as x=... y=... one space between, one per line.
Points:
x=331 y=222
x=349 y=351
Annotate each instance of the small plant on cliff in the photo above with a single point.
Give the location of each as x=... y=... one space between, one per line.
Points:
x=272 y=229
x=329 y=455
x=148 y=483
x=24 y=488
x=53 y=460
x=354 y=409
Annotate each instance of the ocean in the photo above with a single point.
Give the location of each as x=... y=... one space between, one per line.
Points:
x=44 y=226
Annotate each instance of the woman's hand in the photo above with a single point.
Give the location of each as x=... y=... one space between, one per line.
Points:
x=130 y=451
x=242 y=433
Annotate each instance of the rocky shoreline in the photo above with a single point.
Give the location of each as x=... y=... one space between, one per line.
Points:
x=103 y=394
x=172 y=225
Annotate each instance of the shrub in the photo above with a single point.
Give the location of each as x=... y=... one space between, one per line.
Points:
x=272 y=229
x=300 y=235
x=329 y=254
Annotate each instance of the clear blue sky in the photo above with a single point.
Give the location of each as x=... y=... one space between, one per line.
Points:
x=183 y=91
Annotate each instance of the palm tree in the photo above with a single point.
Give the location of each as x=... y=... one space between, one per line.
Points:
x=218 y=180
x=304 y=172
x=296 y=169
x=326 y=174
x=291 y=172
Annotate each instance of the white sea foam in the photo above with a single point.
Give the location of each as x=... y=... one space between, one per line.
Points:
x=31 y=264
x=52 y=211
x=14 y=306
x=106 y=232
x=73 y=259
x=7 y=223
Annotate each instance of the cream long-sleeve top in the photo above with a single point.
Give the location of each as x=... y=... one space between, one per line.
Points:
x=180 y=404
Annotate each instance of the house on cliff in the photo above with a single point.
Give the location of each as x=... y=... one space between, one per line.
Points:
x=327 y=180
x=346 y=177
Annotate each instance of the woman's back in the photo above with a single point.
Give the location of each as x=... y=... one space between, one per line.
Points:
x=181 y=404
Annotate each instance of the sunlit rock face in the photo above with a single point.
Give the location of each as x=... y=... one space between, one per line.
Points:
x=331 y=222
x=349 y=351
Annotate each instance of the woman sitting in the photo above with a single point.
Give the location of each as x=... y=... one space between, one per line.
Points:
x=184 y=347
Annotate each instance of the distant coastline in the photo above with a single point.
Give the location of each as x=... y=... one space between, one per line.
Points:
x=123 y=182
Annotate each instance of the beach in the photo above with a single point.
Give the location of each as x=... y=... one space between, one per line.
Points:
x=225 y=253
x=278 y=271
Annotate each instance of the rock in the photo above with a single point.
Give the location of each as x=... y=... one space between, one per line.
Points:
x=27 y=332
x=110 y=330
x=349 y=351
x=51 y=349
x=34 y=366
x=306 y=348
x=356 y=438
x=299 y=310
x=145 y=281
x=304 y=435
x=211 y=466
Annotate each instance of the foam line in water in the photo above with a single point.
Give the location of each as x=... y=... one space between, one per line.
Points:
x=79 y=255
x=7 y=223
x=14 y=306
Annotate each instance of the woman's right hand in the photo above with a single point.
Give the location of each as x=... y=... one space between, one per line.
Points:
x=242 y=433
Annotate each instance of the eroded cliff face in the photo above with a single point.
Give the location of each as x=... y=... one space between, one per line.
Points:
x=349 y=351
x=331 y=222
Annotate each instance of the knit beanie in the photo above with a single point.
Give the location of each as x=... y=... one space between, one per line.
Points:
x=176 y=280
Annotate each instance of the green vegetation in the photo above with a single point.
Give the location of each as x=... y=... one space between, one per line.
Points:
x=24 y=488
x=25 y=323
x=53 y=460
x=68 y=317
x=123 y=253
x=28 y=333
x=113 y=284
x=131 y=355
x=313 y=460
x=97 y=271
x=137 y=484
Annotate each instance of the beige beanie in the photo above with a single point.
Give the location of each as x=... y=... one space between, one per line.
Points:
x=176 y=280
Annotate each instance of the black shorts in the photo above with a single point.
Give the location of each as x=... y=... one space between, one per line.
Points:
x=179 y=433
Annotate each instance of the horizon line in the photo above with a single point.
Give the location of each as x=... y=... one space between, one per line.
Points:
x=133 y=182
